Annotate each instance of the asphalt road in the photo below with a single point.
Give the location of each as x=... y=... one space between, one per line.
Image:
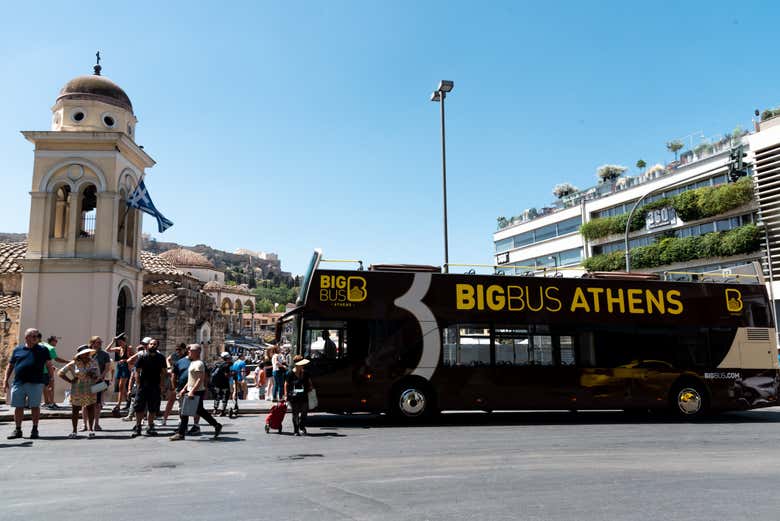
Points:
x=513 y=466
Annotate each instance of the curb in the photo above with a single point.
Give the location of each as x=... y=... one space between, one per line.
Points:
x=7 y=415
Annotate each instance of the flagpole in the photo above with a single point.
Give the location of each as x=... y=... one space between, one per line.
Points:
x=127 y=207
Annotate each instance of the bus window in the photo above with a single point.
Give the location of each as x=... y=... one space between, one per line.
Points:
x=394 y=342
x=567 y=350
x=542 y=350
x=466 y=345
x=587 y=349
x=512 y=346
x=326 y=340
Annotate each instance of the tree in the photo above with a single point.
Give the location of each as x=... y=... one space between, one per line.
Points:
x=610 y=172
x=641 y=165
x=562 y=190
x=674 y=147
x=502 y=222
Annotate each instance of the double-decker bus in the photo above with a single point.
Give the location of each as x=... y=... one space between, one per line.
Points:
x=412 y=341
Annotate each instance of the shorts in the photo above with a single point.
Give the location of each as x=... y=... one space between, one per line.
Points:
x=122 y=370
x=147 y=398
x=26 y=395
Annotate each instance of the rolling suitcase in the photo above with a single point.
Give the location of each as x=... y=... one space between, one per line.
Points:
x=275 y=417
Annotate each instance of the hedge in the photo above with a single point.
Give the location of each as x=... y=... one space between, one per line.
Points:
x=745 y=239
x=689 y=206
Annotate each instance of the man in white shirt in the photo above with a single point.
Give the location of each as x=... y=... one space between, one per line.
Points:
x=195 y=389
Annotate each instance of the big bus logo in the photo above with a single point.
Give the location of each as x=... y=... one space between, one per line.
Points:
x=342 y=291
x=734 y=300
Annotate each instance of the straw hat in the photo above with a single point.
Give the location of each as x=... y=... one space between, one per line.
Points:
x=84 y=349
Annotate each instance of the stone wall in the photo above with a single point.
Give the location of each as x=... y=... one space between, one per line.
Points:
x=9 y=339
x=179 y=322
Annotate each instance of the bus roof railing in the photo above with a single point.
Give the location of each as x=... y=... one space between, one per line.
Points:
x=405 y=268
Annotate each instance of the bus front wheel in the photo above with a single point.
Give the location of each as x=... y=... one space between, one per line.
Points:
x=413 y=401
x=689 y=400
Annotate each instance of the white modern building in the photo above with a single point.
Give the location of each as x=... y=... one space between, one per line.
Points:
x=548 y=241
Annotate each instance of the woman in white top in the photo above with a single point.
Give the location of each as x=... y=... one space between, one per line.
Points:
x=279 y=370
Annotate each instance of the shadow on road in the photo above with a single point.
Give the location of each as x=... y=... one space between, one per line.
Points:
x=368 y=421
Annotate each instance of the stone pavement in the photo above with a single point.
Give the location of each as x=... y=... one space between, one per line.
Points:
x=245 y=406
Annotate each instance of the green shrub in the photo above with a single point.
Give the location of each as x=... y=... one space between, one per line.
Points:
x=709 y=245
x=678 y=250
x=723 y=198
x=745 y=239
x=690 y=206
x=686 y=205
x=740 y=240
x=614 y=261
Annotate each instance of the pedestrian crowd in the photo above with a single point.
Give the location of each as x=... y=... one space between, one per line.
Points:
x=143 y=378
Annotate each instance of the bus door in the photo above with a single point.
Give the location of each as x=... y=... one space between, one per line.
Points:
x=329 y=346
x=534 y=369
x=464 y=378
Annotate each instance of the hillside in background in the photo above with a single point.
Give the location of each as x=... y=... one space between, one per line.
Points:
x=13 y=237
x=236 y=267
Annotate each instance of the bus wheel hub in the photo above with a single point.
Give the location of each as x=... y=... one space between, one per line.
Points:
x=689 y=401
x=412 y=402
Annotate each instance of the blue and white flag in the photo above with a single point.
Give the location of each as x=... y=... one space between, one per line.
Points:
x=140 y=199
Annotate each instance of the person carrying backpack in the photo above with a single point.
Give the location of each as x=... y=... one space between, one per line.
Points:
x=220 y=381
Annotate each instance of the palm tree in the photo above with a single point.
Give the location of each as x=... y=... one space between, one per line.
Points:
x=674 y=147
x=641 y=165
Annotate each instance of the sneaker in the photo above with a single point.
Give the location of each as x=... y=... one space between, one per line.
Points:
x=16 y=433
x=303 y=431
x=34 y=433
x=91 y=435
x=83 y=428
x=176 y=437
x=151 y=431
x=195 y=429
x=136 y=431
x=54 y=406
x=98 y=428
x=217 y=430
x=73 y=436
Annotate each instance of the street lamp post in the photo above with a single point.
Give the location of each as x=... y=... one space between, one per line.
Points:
x=438 y=95
x=555 y=263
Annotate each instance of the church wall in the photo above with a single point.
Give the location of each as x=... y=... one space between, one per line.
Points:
x=75 y=306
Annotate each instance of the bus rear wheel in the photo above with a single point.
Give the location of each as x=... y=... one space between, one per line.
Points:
x=689 y=400
x=413 y=401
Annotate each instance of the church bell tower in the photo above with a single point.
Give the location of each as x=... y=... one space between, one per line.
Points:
x=82 y=273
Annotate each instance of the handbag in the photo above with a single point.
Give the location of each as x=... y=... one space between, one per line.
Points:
x=98 y=387
x=312 y=397
x=189 y=406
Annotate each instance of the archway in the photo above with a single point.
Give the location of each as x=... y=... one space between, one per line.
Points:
x=124 y=309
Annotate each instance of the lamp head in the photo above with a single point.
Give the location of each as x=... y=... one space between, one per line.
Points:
x=446 y=85
x=436 y=96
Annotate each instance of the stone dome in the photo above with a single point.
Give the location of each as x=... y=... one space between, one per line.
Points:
x=95 y=87
x=183 y=258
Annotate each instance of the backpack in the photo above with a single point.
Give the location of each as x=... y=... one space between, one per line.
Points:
x=218 y=376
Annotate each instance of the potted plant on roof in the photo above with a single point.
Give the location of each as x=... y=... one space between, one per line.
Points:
x=641 y=165
x=674 y=147
x=562 y=190
x=608 y=173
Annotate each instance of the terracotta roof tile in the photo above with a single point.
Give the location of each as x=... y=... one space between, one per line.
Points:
x=10 y=301
x=159 y=299
x=10 y=252
x=157 y=265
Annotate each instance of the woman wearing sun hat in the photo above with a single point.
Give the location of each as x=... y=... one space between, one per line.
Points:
x=297 y=386
x=82 y=373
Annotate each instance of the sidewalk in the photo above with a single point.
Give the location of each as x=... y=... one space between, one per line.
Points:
x=244 y=406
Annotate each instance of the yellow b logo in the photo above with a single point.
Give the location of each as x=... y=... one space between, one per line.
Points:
x=734 y=300
x=356 y=289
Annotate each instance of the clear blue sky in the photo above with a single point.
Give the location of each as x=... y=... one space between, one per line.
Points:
x=287 y=126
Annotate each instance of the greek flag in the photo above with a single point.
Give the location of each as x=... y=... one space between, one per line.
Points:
x=140 y=199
